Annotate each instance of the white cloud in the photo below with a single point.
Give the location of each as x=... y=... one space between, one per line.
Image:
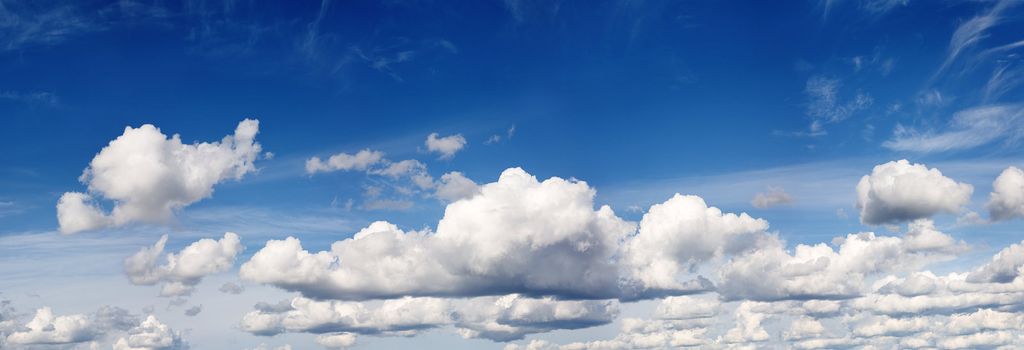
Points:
x=825 y=106
x=819 y=272
x=899 y=191
x=47 y=328
x=680 y=233
x=149 y=176
x=336 y=341
x=967 y=129
x=775 y=196
x=151 y=334
x=446 y=146
x=183 y=270
x=360 y=161
x=455 y=186
x=519 y=235
x=497 y=318
x=1005 y=266
x=1007 y=198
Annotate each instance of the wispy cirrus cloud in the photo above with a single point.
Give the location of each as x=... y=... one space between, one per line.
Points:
x=968 y=129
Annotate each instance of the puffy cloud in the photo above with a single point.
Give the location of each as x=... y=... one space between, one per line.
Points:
x=506 y=318
x=1007 y=198
x=888 y=326
x=455 y=186
x=446 y=146
x=899 y=191
x=151 y=334
x=183 y=270
x=686 y=308
x=1006 y=266
x=336 y=341
x=775 y=196
x=360 y=161
x=680 y=233
x=149 y=176
x=519 y=235
x=195 y=310
x=818 y=271
x=804 y=327
x=47 y=328
x=748 y=326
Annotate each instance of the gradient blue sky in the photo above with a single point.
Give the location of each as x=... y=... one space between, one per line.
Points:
x=640 y=99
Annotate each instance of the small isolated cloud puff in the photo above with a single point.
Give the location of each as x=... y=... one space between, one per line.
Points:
x=182 y=271
x=899 y=191
x=360 y=161
x=1007 y=198
x=151 y=334
x=775 y=196
x=455 y=186
x=446 y=146
x=149 y=176
x=336 y=341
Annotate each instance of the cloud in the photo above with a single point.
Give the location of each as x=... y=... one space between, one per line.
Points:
x=1004 y=267
x=336 y=341
x=182 y=271
x=680 y=233
x=821 y=272
x=968 y=129
x=497 y=318
x=899 y=191
x=1007 y=198
x=149 y=176
x=45 y=98
x=973 y=31
x=151 y=334
x=231 y=288
x=825 y=107
x=360 y=161
x=446 y=146
x=455 y=186
x=775 y=196
x=46 y=328
x=195 y=310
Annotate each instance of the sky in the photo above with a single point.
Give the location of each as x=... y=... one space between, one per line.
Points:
x=516 y=174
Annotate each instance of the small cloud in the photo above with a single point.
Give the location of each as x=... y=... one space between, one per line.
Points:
x=231 y=288
x=447 y=146
x=36 y=98
x=195 y=310
x=775 y=196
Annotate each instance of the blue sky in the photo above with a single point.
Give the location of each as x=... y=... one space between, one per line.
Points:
x=640 y=99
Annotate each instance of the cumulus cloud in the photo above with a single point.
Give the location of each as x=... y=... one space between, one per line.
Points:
x=336 y=341
x=445 y=146
x=360 y=161
x=519 y=235
x=1007 y=198
x=775 y=196
x=231 y=288
x=47 y=328
x=899 y=191
x=182 y=271
x=149 y=176
x=821 y=272
x=151 y=334
x=680 y=233
x=455 y=186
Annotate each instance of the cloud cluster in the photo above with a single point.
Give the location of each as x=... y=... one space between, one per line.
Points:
x=46 y=329
x=899 y=191
x=149 y=176
x=151 y=334
x=360 y=161
x=182 y=271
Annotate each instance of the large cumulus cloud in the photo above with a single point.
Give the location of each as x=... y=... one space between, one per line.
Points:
x=148 y=176
x=899 y=191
